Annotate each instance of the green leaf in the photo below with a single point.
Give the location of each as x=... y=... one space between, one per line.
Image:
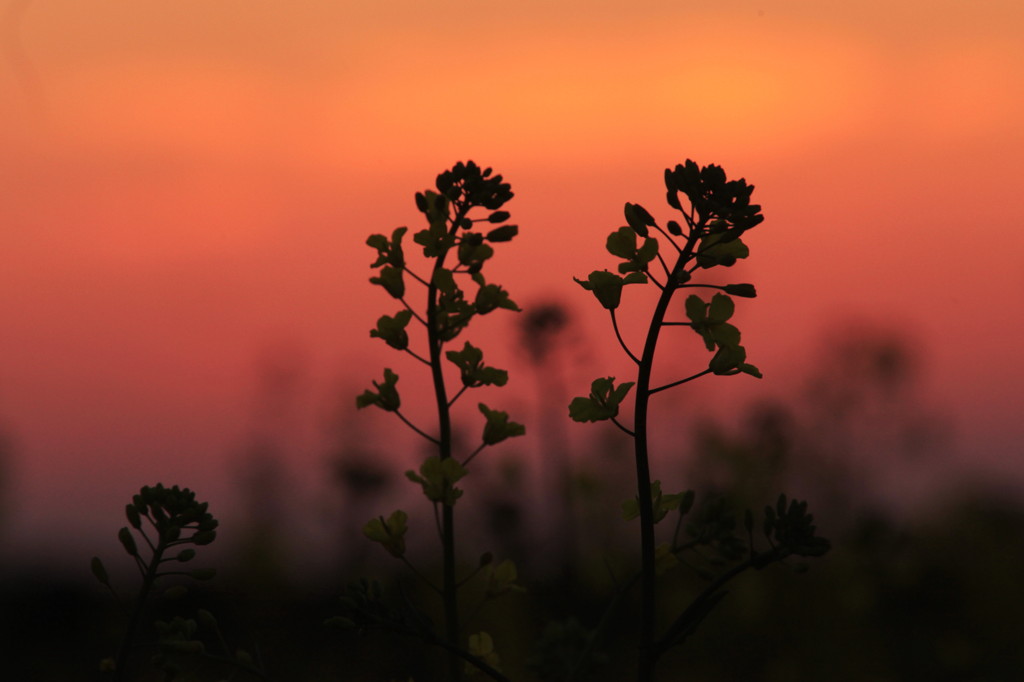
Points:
x=622 y=243
x=481 y=646
x=661 y=504
x=444 y=280
x=721 y=309
x=647 y=252
x=728 y=360
x=473 y=371
x=607 y=286
x=385 y=397
x=437 y=477
x=498 y=217
x=501 y=579
x=498 y=427
x=453 y=313
x=696 y=309
x=473 y=252
x=391 y=279
x=664 y=558
x=389 y=533
x=714 y=250
x=724 y=334
x=392 y=329
x=490 y=297
x=602 y=403
x=389 y=252
x=709 y=320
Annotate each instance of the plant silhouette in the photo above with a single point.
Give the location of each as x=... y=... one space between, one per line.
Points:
x=717 y=215
x=452 y=214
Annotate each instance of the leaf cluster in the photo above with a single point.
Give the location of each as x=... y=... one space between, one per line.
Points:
x=603 y=401
x=710 y=321
x=707 y=234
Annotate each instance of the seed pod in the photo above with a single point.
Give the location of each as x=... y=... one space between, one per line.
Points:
x=99 y=571
x=127 y=541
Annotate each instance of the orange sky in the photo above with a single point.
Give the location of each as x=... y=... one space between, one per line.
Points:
x=186 y=185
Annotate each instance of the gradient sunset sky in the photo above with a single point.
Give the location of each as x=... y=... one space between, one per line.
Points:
x=186 y=188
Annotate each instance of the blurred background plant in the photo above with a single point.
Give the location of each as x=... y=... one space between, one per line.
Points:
x=927 y=590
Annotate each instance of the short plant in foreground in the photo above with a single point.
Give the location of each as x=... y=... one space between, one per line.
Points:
x=455 y=250
x=716 y=216
x=170 y=524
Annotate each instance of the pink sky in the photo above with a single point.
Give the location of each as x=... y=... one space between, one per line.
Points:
x=187 y=186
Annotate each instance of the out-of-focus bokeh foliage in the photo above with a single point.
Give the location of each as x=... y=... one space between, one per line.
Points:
x=932 y=592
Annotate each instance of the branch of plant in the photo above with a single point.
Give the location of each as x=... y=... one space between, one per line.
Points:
x=652 y=391
x=415 y=276
x=474 y=454
x=457 y=395
x=419 y=575
x=676 y=634
x=618 y=335
x=417 y=356
x=622 y=428
x=670 y=241
x=416 y=428
x=414 y=313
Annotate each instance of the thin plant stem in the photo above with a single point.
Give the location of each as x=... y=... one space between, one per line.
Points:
x=474 y=454
x=457 y=395
x=419 y=575
x=670 y=241
x=413 y=311
x=416 y=428
x=664 y=265
x=681 y=381
x=618 y=335
x=622 y=428
x=417 y=356
x=676 y=632
x=415 y=276
x=148 y=580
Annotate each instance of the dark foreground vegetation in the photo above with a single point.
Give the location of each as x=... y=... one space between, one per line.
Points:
x=937 y=598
